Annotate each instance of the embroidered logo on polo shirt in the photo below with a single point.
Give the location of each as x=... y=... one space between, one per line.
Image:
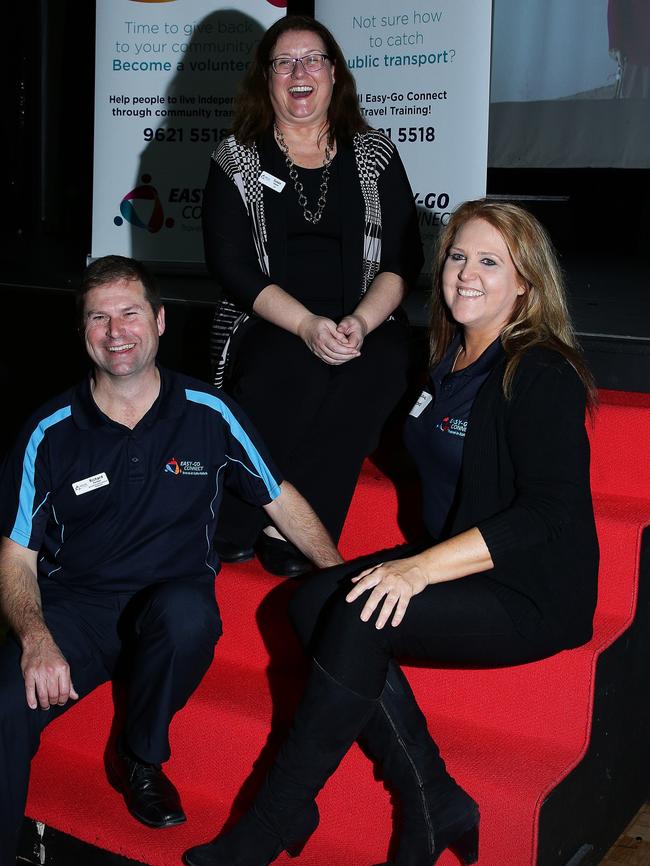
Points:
x=172 y=467
x=185 y=467
x=453 y=426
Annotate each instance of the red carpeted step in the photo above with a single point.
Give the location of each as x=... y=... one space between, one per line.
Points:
x=507 y=751
x=218 y=738
x=620 y=521
x=355 y=810
x=620 y=455
x=220 y=734
x=372 y=522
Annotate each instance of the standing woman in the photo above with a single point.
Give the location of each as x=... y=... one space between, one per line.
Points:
x=509 y=576
x=310 y=228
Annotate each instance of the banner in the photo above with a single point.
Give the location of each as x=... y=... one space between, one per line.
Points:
x=166 y=74
x=423 y=78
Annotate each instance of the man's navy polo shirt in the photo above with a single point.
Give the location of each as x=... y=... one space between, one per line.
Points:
x=113 y=509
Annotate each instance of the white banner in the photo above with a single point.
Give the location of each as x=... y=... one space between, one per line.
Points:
x=166 y=73
x=423 y=78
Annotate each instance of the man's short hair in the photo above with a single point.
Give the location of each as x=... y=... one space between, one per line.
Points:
x=110 y=269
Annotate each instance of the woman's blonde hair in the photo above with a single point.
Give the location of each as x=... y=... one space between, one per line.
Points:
x=540 y=316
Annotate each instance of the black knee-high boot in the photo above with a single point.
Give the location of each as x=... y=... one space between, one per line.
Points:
x=284 y=813
x=436 y=813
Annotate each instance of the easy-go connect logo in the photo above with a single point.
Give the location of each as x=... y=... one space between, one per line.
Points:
x=453 y=426
x=185 y=467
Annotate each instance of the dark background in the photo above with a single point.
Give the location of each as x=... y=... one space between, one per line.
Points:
x=48 y=91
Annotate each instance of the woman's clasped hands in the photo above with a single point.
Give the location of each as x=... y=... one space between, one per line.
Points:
x=334 y=344
x=393 y=585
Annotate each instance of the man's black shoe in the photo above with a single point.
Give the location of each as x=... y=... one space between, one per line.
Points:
x=229 y=552
x=148 y=793
x=280 y=557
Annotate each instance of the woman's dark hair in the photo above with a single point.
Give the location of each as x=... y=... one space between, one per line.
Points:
x=253 y=109
x=110 y=269
x=540 y=316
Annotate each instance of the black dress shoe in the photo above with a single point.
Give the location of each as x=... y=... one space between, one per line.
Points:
x=229 y=552
x=148 y=793
x=280 y=557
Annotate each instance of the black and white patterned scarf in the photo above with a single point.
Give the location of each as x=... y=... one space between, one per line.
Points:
x=372 y=152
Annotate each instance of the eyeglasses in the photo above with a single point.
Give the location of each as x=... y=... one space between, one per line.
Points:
x=310 y=63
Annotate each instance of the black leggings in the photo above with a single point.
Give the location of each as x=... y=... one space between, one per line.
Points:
x=458 y=623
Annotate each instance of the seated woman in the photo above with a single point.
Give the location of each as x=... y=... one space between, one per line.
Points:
x=500 y=442
x=311 y=230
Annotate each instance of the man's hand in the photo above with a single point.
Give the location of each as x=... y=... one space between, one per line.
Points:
x=46 y=673
x=45 y=670
x=297 y=521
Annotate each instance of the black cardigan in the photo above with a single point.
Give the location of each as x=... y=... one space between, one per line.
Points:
x=525 y=484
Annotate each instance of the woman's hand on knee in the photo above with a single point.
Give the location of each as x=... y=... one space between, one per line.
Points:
x=392 y=585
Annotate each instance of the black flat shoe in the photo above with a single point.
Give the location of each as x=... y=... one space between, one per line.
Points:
x=148 y=793
x=229 y=552
x=280 y=557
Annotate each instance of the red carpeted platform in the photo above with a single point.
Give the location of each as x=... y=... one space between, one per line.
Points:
x=509 y=735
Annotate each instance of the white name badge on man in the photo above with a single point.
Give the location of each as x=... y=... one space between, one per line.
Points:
x=88 y=484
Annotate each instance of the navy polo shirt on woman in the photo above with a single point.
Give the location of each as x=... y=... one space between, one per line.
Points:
x=435 y=430
x=112 y=509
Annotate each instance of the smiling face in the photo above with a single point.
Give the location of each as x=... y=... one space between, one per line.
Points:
x=121 y=331
x=479 y=280
x=301 y=98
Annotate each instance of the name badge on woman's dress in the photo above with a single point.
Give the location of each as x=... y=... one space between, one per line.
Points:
x=272 y=182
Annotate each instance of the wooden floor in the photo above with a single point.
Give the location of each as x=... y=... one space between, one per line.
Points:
x=633 y=847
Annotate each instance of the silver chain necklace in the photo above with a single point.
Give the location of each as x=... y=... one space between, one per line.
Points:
x=313 y=218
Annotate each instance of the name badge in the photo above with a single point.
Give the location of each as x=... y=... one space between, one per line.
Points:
x=88 y=484
x=272 y=182
x=422 y=402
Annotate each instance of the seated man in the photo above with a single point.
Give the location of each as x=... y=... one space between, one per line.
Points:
x=110 y=501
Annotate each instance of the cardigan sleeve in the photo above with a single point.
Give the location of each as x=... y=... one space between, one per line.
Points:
x=228 y=240
x=549 y=449
x=401 y=246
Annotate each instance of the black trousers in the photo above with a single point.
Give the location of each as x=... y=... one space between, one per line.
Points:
x=457 y=623
x=319 y=422
x=162 y=639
